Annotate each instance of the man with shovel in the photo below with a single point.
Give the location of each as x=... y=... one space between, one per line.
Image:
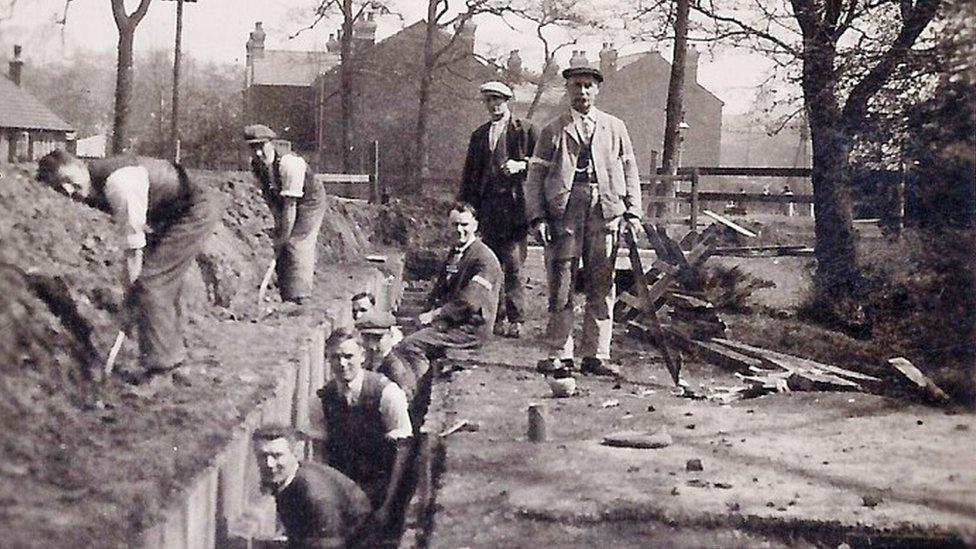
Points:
x=165 y=218
x=298 y=204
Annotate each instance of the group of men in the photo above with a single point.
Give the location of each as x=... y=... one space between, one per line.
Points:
x=573 y=183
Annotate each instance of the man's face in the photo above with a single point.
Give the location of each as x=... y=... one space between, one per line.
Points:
x=263 y=151
x=496 y=105
x=378 y=345
x=360 y=307
x=582 y=90
x=465 y=226
x=75 y=180
x=276 y=462
x=346 y=360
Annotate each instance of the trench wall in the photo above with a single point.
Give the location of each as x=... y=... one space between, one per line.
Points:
x=222 y=506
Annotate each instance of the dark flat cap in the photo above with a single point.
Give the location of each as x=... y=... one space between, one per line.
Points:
x=258 y=133
x=375 y=322
x=583 y=71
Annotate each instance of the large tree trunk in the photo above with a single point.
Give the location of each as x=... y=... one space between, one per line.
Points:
x=346 y=71
x=675 y=108
x=123 y=89
x=422 y=154
x=837 y=273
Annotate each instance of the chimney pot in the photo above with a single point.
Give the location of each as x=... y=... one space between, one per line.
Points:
x=16 y=66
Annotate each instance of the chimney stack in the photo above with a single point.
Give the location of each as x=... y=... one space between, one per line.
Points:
x=255 y=42
x=465 y=30
x=514 y=66
x=333 y=45
x=578 y=59
x=364 y=32
x=16 y=66
x=608 y=60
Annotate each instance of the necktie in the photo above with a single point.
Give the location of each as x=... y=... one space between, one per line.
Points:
x=587 y=128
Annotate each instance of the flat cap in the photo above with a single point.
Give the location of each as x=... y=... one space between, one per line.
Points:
x=375 y=322
x=583 y=71
x=496 y=88
x=258 y=133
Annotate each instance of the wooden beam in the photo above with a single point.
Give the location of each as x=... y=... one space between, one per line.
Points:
x=795 y=361
x=918 y=379
x=341 y=178
x=762 y=251
x=746 y=172
x=730 y=224
x=721 y=196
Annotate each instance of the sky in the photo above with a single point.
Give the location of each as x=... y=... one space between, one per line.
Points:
x=217 y=30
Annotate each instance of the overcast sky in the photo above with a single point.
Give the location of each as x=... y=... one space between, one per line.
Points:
x=217 y=30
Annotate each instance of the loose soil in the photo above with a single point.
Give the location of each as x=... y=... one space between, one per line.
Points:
x=93 y=462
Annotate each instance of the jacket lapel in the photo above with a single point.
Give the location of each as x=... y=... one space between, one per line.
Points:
x=570 y=128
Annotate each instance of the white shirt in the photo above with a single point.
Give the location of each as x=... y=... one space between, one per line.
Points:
x=393 y=405
x=496 y=129
x=292 y=169
x=578 y=121
x=127 y=193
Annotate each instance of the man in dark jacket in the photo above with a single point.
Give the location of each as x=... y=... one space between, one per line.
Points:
x=494 y=172
x=164 y=218
x=298 y=204
x=463 y=301
x=318 y=506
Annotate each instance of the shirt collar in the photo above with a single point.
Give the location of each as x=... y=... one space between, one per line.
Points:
x=503 y=120
x=578 y=116
x=461 y=249
x=288 y=482
x=355 y=387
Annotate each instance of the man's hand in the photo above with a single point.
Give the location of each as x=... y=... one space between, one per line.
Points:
x=632 y=225
x=511 y=167
x=541 y=231
x=426 y=317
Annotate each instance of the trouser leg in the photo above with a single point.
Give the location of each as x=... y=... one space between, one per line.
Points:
x=297 y=257
x=599 y=256
x=432 y=342
x=152 y=300
x=511 y=255
x=561 y=271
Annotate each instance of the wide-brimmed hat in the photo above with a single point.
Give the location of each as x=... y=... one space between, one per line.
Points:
x=258 y=133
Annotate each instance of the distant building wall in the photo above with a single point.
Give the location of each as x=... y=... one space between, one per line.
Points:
x=288 y=110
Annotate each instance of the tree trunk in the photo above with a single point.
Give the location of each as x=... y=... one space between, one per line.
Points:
x=346 y=71
x=422 y=155
x=123 y=89
x=837 y=273
x=675 y=108
x=540 y=87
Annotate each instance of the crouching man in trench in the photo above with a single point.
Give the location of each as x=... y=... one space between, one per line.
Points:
x=165 y=219
x=318 y=506
x=368 y=430
x=464 y=300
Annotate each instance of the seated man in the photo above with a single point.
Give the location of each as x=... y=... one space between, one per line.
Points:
x=368 y=429
x=380 y=336
x=318 y=506
x=464 y=299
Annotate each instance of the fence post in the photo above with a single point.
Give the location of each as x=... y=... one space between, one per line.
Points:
x=375 y=176
x=693 y=218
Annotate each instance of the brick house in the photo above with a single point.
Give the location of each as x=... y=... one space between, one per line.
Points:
x=387 y=88
x=28 y=129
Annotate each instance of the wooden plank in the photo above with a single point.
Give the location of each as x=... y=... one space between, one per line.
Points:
x=795 y=361
x=747 y=172
x=341 y=178
x=762 y=251
x=723 y=196
x=730 y=224
x=713 y=354
x=917 y=378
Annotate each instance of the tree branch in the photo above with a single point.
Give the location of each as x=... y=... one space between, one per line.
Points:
x=746 y=28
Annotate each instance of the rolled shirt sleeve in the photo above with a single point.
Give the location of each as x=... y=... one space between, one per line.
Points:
x=127 y=193
x=393 y=410
x=292 y=169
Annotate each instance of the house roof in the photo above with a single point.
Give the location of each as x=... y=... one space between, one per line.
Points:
x=20 y=109
x=291 y=68
x=625 y=61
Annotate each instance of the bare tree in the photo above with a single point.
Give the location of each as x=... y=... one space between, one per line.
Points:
x=126 y=25
x=550 y=19
x=350 y=12
x=676 y=89
x=845 y=52
x=439 y=54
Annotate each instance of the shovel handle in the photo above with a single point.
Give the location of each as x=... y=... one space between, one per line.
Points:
x=113 y=354
x=266 y=280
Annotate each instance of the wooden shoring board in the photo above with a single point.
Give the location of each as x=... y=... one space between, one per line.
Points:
x=714 y=354
x=730 y=224
x=798 y=362
x=672 y=362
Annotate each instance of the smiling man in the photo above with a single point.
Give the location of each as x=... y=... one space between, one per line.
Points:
x=464 y=299
x=318 y=506
x=582 y=189
x=368 y=429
